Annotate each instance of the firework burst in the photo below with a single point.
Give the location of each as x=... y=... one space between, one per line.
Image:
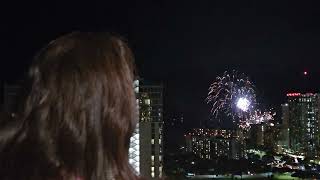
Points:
x=259 y=116
x=233 y=95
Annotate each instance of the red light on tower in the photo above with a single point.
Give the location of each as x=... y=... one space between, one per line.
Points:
x=293 y=94
x=305 y=73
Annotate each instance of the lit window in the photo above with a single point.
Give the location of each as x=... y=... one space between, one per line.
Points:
x=136 y=89
x=152 y=174
x=147 y=101
x=152 y=141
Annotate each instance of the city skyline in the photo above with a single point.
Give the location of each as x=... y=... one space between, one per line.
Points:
x=223 y=89
x=184 y=44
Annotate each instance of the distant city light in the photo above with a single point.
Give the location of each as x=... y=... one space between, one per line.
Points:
x=243 y=104
x=293 y=94
x=305 y=73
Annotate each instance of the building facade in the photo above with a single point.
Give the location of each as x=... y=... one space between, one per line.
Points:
x=256 y=136
x=146 y=148
x=213 y=143
x=134 y=149
x=304 y=123
x=284 y=130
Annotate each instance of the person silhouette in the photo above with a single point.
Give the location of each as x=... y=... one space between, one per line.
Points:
x=77 y=115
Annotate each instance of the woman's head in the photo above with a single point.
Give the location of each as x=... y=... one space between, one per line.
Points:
x=80 y=109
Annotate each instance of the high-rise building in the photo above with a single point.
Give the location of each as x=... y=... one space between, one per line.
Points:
x=304 y=123
x=256 y=136
x=213 y=143
x=146 y=148
x=239 y=143
x=134 y=149
x=271 y=135
x=264 y=135
x=284 y=130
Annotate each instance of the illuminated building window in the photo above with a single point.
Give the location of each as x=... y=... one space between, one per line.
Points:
x=152 y=171
x=136 y=89
x=152 y=141
x=147 y=101
x=160 y=171
x=152 y=159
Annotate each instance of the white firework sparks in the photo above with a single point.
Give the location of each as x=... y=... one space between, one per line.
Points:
x=243 y=104
x=259 y=116
x=233 y=95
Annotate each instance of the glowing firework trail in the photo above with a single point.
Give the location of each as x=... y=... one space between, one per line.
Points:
x=259 y=116
x=233 y=95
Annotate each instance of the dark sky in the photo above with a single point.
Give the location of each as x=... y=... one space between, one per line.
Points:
x=185 y=44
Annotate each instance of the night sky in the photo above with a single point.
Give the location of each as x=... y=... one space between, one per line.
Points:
x=184 y=44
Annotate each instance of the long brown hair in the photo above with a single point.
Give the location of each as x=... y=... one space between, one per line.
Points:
x=78 y=114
